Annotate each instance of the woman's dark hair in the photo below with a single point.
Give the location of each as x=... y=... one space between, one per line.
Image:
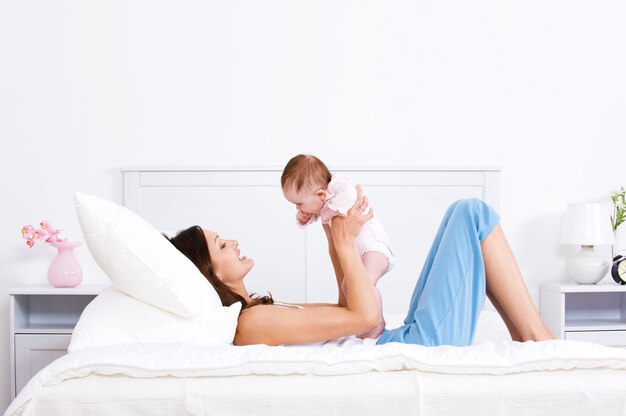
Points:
x=192 y=243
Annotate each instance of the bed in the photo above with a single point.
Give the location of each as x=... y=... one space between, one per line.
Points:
x=156 y=363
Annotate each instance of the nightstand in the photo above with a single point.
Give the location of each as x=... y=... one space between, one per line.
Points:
x=42 y=319
x=592 y=313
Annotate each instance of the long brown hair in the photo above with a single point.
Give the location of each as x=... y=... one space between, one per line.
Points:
x=192 y=243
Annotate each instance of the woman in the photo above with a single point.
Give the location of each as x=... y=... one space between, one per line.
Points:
x=469 y=258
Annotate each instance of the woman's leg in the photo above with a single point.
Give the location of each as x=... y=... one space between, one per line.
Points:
x=450 y=291
x=506 y=284
x=469 y=258
x=515 y=335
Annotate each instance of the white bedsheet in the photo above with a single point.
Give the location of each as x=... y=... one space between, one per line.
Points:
x=343 y=357
x=565 y=392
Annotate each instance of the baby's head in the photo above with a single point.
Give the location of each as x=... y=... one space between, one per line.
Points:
x=304 y=182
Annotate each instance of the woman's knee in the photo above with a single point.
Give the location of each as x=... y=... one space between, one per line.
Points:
x=469 y=205
x=479 y=213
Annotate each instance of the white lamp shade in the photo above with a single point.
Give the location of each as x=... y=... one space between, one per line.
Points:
x=587 y=224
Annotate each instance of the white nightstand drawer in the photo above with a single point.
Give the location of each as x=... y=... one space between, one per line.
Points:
x=35 y=351
x=611 y=338
x=41 y=321
x=590 y=313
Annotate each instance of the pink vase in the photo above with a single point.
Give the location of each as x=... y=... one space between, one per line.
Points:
x=64 y=270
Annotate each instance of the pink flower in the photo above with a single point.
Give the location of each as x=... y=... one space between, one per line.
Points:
x=45 y=225
x=46 y=233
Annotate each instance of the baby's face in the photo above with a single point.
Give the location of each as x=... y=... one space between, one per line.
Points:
x=307 y=200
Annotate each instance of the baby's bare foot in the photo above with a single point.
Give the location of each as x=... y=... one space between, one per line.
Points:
x=374 y=332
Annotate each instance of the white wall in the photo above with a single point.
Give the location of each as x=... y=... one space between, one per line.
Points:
x=535 y=87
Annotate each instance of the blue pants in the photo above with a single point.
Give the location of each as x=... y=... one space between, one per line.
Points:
x=450 y=291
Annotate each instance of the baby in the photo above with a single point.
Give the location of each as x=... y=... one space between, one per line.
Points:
x=307 y=183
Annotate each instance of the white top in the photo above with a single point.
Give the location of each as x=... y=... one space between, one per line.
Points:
x=287 y=305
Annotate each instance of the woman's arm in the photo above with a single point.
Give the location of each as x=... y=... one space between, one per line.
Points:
x=357 y=193
x=336 y=264
x=266 y=324
x=360 y=296
x=273 y=325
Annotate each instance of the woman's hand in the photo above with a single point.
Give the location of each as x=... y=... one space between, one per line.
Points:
x=345 y=229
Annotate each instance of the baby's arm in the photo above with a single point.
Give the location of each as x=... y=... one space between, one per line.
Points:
x=341 y=194
x=303 y=219
x=327 y=214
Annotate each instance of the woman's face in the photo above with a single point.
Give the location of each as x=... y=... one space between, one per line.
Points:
x=226 y=260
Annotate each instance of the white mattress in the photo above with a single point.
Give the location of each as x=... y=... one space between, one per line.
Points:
x=342 y=377
x=573 y=392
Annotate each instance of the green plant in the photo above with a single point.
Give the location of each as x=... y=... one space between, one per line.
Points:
x=619 y=208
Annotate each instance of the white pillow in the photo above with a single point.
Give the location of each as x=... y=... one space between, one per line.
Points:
x=114 y=318
x=140 y=261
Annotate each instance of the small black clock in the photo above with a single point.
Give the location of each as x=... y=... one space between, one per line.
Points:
x=618 y=270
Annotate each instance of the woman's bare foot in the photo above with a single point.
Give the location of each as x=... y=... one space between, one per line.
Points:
x=542 y=334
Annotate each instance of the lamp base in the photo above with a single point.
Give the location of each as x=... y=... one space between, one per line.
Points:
x=587 y=267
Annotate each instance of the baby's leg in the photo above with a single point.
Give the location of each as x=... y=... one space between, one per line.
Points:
x=376 y=265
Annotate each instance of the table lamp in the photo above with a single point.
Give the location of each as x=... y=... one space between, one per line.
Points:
x=587 y=225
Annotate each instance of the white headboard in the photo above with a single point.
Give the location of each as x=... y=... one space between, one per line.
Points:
x=246 y=203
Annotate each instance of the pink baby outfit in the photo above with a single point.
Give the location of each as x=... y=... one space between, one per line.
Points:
x=340 y=197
